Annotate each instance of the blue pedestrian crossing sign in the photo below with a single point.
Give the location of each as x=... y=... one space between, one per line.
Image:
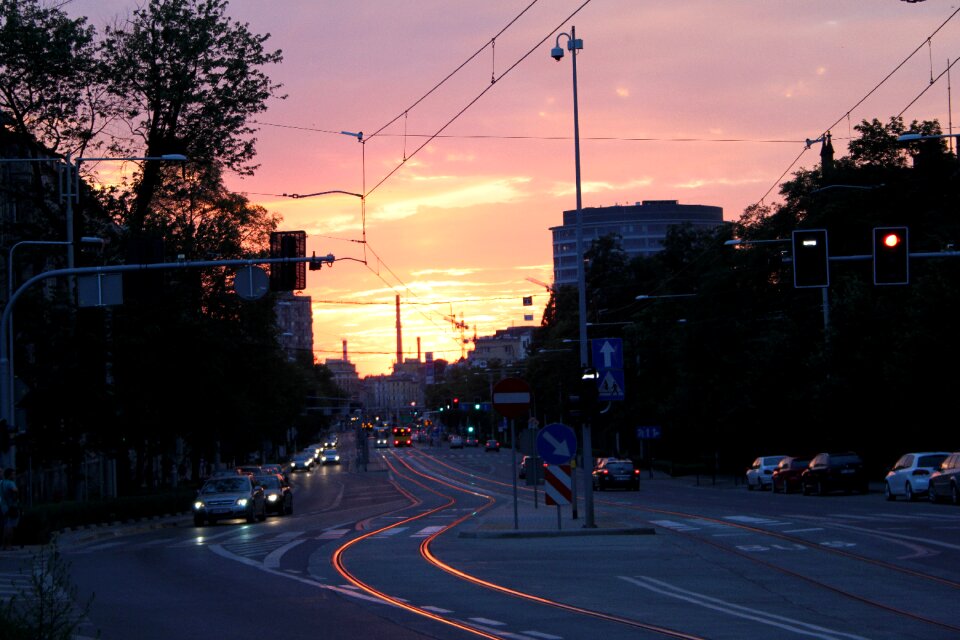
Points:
x=610 y=385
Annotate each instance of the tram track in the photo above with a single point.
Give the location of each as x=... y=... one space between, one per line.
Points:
x=449 y=502
x=772 y=566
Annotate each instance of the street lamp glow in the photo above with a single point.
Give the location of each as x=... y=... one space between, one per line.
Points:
x=913 y=137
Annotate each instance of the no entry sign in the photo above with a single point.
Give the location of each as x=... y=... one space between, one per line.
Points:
x=511 y=397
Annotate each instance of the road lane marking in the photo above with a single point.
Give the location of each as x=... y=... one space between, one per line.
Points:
x=729 y=608
x=488 y=622
x=333 y=534
x=272 y=561
x=544 y=636
x=427 y=531
x=440 y=610
x=807 y=530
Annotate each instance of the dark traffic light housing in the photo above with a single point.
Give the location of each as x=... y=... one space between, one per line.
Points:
x=891 y=255
x=811 y=259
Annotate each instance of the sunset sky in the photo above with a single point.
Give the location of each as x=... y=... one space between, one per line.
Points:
x=699 y=101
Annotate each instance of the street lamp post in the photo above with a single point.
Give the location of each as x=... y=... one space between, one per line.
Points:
x=573 y=45
x=69 y=193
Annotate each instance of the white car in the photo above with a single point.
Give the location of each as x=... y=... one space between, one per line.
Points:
x=760 y=473
x=910 y=476
x=456 y=442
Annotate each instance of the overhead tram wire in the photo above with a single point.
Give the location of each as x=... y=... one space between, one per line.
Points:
x=493 y=40
x=457 y=115
x=865 y=97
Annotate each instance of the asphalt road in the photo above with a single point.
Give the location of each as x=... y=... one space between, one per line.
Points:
x=428 y=543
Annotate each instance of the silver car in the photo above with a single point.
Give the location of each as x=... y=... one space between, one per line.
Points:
x=229 y=498
x=760 y=473
x=910 y=476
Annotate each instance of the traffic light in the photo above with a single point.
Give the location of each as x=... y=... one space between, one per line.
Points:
x=589 y=390
x=288 y=276
x=891 y=255
x=811 y=260
x=470 y=428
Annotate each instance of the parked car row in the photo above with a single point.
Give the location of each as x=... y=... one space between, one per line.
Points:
x=935 y=474
x=820 y=475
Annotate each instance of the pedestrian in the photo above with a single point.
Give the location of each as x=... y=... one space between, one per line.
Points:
x=9 y=507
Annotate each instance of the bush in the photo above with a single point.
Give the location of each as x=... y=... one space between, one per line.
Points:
x=43 y=606
x=39 y=523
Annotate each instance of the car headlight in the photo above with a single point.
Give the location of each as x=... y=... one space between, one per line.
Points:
x=272 y=497
x=198 y=505
x=337 y=458
x=242 y=502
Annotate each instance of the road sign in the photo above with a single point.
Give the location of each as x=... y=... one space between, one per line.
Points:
x=556 y=443
x=511 y=397
x=607 y=354
x=648 y=433
x=610 y=385
x=608 y=361
x=557 y=484
x=251 y=283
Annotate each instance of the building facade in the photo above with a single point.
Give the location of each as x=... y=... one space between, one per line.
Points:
x=641 y=229
x=295 y=324
x=505 y=346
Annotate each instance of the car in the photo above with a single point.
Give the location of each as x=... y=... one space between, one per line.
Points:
x=613 y=473
x=760 y=473
x=525 y=465
x=250 y=469
x=330 y=456
x=944 y=481
x=228 y=498
x=330 y=442
x=491 y=445
x=278 y=493
x=456 y=442
x=910 y=475
x=471 y=441
x=226 y=473
x=786 y=476
x=829 y=472
x=303 y=461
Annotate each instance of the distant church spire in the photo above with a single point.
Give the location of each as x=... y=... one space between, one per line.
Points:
x=826 y=156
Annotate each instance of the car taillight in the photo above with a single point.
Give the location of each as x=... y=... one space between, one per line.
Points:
x=604 y=471
x=636 y=472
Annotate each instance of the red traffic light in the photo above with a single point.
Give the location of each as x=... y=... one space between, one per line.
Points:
x=891 y=240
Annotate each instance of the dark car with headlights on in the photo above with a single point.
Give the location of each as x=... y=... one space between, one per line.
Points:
x=828 y=472
x=278 y=493
x=229 y=498
x=786 y=475
x=303 y=461
x=614 y=473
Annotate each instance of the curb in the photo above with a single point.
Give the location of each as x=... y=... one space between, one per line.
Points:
x=560 y=533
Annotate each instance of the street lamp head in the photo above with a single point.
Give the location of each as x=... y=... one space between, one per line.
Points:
x=557 y=53
x=174 y=157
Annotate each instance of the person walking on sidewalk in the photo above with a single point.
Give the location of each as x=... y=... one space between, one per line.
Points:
x=9 y=508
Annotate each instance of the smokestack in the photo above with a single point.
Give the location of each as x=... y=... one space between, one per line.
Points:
x=418 y=348
x=344 y=350
x=399 y=335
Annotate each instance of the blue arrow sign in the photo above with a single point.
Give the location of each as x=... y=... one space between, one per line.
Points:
x=607 y=354
x=556 y=443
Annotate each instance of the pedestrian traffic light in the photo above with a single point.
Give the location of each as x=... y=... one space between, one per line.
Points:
x=891 y=255
x=811 y=260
